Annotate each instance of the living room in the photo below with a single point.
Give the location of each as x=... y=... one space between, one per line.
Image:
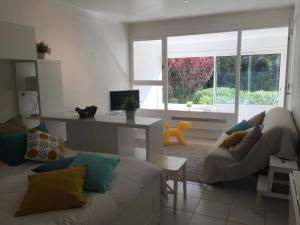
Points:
x=205 y=66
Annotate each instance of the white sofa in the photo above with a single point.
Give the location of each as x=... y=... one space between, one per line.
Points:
x=280 y=137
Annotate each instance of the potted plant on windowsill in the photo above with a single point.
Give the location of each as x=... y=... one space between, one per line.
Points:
x=189 y=105
x=42 y=49
x=130 y=106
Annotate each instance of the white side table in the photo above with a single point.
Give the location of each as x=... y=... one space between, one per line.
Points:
x=294 y=209
x=265 y=183
x=174 y=169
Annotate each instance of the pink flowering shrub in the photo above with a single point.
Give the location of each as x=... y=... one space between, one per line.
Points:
x=187 y=75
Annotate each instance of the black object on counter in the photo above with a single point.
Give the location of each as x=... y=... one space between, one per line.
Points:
x=88 y=112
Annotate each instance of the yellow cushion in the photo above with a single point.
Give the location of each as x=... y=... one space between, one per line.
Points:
x=56 y=190
x=233 y=139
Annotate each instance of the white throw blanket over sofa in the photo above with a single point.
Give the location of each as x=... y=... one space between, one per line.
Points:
x=280 y=137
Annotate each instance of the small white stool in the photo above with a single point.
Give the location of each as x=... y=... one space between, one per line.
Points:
x=174 y=169
x=265 y=183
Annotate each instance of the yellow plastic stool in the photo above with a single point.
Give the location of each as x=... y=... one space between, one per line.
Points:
x=176 y=132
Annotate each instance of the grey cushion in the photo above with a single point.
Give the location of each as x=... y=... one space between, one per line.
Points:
x=240 y=150
x=13 y=125
x=258 y=119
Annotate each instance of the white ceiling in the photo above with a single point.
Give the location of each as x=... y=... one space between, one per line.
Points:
x=144 y=10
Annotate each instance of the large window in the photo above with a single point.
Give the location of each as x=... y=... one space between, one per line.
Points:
x=147 y=57
x=263 y=70
x=201 y=71
x=147 y=70
x=150 y=96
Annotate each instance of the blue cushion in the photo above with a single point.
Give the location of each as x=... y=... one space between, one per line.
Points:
x=244 y=125
x=99 y=172
x=42 y=127
x=13 y=146
x=56 y=165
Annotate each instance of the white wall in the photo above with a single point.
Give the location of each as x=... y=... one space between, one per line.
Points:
x=295 y=65
x=93 y=51
x=210 y=24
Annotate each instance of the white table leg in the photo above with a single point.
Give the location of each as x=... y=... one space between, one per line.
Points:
x=184 y=181
x=175 y=194
x=270 y=179
x=154 y=144
x=258 y=201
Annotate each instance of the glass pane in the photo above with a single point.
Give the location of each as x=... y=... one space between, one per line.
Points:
x=225 y=75
x=147 y=60
x=151 y=97
x=263 y=67
x=201 y=72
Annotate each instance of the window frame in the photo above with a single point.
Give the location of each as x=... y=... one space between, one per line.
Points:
x=164 y=81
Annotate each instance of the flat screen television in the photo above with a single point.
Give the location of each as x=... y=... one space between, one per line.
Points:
x=117 y=98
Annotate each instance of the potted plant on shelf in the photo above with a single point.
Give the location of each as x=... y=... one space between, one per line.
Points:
x=130 y=106
x=42 y=49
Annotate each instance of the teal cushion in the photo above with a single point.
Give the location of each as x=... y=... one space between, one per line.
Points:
x=42 y=127
x=56 y=165
x=244 y=125
x=99 y=172
x=13 y=146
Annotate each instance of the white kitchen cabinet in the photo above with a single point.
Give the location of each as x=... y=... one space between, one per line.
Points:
x=17 y=42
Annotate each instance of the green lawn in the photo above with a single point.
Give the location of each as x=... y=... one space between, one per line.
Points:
x=227 y=96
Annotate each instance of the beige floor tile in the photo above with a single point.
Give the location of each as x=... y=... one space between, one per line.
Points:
x=277 y=219
x=246 y=216
x=213 y=209
x=247 y=199
x=181 y=218
x=205 y=220
x=193 y=189
x=234 y=223
x=275 y=206
x=189 y=204
x=224 y=196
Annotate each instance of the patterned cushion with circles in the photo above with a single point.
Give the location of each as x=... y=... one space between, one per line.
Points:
x=42 y=146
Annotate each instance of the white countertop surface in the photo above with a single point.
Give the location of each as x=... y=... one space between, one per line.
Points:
x=101 y=118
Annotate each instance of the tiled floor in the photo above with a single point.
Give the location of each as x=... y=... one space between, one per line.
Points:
x=230 y=203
